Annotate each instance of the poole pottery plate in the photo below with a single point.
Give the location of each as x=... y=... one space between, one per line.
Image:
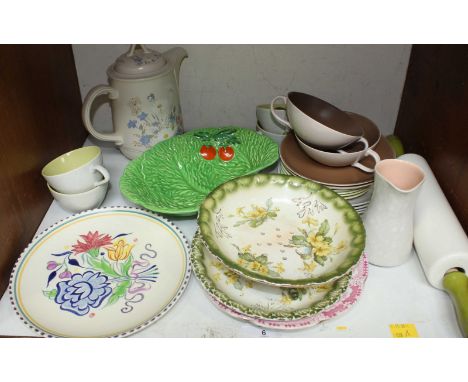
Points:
x=346 y=301
x=175 y=175
x=103 y=273
x=260 y=300
x=281 y=230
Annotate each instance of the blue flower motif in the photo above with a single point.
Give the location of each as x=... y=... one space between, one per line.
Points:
x=145 y=140
x=132 y=124
x=82 y=292
x=142 y=116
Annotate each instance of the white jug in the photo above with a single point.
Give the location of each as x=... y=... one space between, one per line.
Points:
x=144 y=93
x=389 y=218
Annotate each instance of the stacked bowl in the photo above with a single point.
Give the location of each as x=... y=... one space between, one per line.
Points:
x=77 y=179
x=335 y=148
x=279 y=251
x=268 y=125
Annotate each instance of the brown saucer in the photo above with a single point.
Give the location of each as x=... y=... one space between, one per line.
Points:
x=299 y=162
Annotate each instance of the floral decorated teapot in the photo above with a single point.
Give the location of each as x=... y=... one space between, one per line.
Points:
x=144 y=93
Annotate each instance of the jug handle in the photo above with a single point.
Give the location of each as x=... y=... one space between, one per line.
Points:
x=86 y=113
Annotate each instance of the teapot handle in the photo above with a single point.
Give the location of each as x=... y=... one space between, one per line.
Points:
x=131 y=51
x=86 y=113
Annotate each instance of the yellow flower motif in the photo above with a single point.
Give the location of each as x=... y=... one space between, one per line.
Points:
x=166 y=135
x=120 y=250
x=216 y=277
x=232 y=278
x=241 y=262
x=247 y=248
x=322 y=287
x=309 y=267
x=240 y=211
x=341 y=245
x=319 y=246
x=257 y=212
x=259 y=267
x=217 y=264
x=279 y=268
x=286 y=299
x=310 y=221
x=249 y=284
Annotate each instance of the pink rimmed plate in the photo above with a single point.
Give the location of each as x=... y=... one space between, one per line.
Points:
x=347 y=300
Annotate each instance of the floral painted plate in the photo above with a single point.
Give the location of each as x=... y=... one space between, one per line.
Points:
x=176 y=175
x=256 y=299
x=107 y=272
x=346 y=301
x=281 y=230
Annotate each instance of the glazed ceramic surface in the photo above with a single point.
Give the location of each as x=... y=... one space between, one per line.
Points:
x=345 y=302
x=144 y=93
x=317 y=122
x=348 y=156
x=278 y=138
x=77 y=171
x=389 y=217
x=296 y=160
x=281 y=230
x=347 y=193
x=102 y=273
x=267 y=122
x=176 y=175
x=260 y=300
x=82 y=201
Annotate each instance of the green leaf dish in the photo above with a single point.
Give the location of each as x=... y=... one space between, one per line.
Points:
x=281 y=230
x=174 y=177
x=260 y=300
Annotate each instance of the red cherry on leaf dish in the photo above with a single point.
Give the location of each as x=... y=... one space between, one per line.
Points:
x=208 y=152
x=226 y=153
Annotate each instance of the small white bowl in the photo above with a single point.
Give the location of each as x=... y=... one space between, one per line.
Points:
x=267 y=122
x=278 y=138
x=82 y=201
x=317 y=122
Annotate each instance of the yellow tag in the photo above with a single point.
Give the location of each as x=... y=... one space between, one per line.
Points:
x=341 y=328
x=404 y=331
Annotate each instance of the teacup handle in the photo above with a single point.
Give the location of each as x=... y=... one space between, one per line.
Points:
x=104 y=173
x=374 y=155
x=86 y=113
x=276 y=116
x=363 y=140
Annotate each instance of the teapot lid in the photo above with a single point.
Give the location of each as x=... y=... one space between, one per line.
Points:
x=138 y=62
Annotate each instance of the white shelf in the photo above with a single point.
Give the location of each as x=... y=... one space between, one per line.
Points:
x=396 y=295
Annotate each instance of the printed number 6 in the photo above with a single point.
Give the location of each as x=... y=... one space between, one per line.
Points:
x=263 y=332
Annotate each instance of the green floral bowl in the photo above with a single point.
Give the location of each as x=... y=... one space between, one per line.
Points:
x=259 y=300
x=176 y=175
x=281 y=230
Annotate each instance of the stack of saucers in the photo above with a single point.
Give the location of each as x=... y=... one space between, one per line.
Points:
x=349 y=182
x=279 y=251
x=335 y=148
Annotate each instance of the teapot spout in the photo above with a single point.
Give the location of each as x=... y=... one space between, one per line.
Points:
x=176 y=56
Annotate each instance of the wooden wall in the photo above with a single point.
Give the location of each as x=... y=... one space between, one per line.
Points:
x=40 y=118
x=433 y=118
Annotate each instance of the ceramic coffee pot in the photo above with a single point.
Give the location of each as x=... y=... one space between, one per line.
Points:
x=144 y=93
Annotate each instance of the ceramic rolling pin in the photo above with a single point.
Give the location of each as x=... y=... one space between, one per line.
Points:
x=444 y=261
